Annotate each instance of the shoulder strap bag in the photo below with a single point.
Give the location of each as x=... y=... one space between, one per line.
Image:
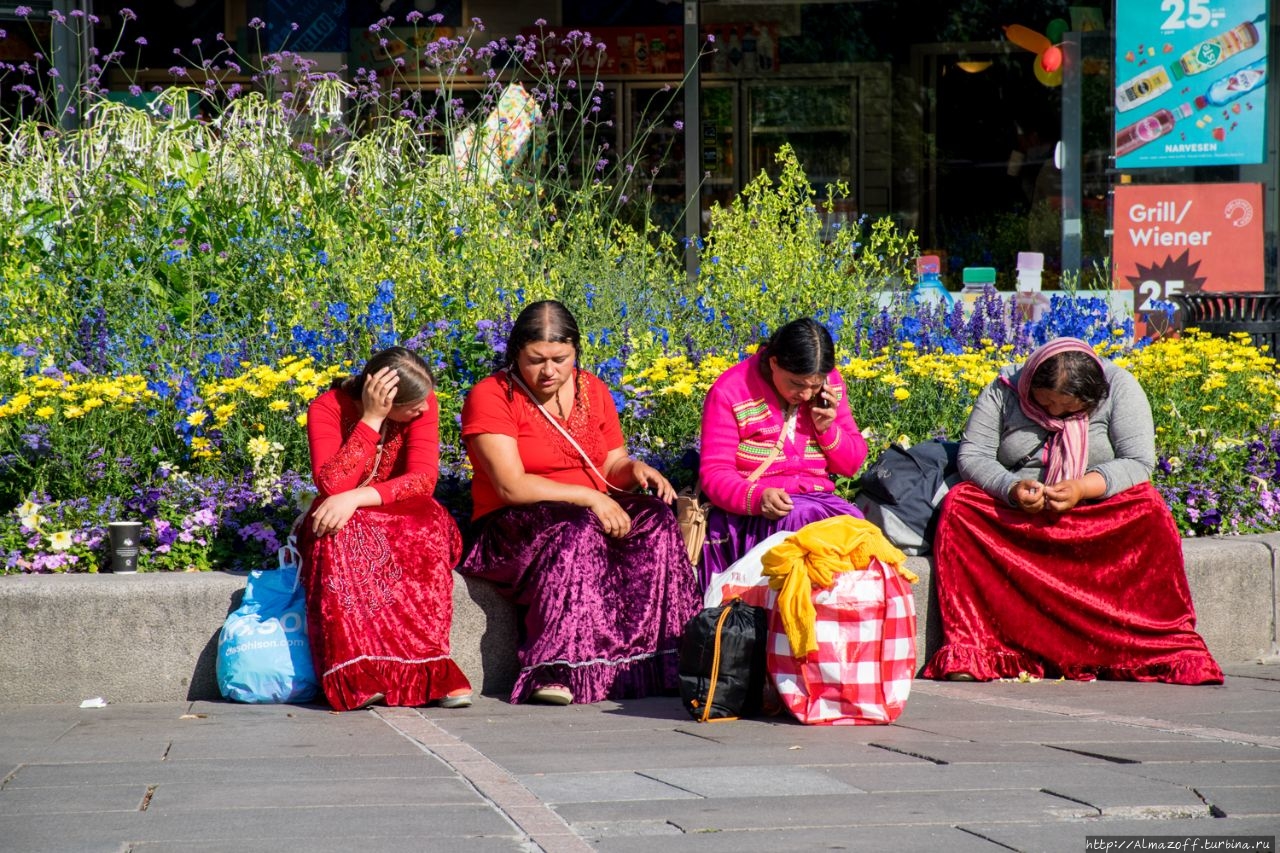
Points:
x=691 y=509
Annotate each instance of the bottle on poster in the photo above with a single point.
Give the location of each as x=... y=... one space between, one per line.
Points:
x=1213 y=51
x=1149 y=129
x=1232 y=86
x=1147 y=86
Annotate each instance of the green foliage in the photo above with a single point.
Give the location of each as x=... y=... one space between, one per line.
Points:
x=768 y=258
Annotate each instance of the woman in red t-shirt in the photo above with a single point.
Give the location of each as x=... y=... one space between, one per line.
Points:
x=600 y=573
x=378 y=550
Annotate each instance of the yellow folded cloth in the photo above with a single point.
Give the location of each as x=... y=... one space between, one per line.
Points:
x=811 y=557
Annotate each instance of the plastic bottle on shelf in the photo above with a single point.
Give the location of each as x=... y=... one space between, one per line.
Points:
x=735 y=52
x=1213 y=51
x=928 y=288
x=1227 y=89
x=675 y=51
x=976 y=280
x=641 y=53
x=657 y=55
x=1149 y=129
x=626 y=55
x=720 y=61
x=1031 y=301
x=749 y=57
x=764 y=49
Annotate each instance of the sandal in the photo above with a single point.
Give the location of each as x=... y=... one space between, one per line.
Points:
x=457 y=699
x=552 y=694
x=371 y=701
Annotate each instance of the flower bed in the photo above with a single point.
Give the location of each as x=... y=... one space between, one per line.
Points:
x=175 y=290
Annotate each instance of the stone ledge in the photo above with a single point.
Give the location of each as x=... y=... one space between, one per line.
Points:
x=153 y=637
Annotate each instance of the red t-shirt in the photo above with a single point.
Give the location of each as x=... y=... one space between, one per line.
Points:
x=497 y=407
x=343 y=449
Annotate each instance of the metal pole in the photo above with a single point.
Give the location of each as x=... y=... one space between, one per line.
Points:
x=1069 y=146
x=692 y=138
x=66 y=60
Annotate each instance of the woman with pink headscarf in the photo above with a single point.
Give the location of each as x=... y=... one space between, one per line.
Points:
x=1056 y=556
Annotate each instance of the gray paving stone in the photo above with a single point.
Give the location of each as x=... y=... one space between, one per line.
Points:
x=1180 y=749
x=1202 y=773
x=230 y=827
x=1261 y=722
x=381 y=844
x=1135 y=799
x=895 y=838
x=1245 y=801
x=231 y=771
x=975 y=777
x=1069 y=836
x=177 y=797
x=989 y=752
x=922 y=808
x=1051 y=730
x=749 y=781
x=52 y=801
x=555 y=788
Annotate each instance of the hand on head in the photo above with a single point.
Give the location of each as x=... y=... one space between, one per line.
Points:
x=379 y=394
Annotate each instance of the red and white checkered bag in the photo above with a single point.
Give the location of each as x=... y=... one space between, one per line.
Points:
x=861 y=673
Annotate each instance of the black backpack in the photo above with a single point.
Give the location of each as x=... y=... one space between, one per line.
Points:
x=722 y=674
x=901 y=492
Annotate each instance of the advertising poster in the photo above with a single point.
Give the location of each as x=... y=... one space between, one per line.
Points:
x=1191 y=78
x=1184 y=238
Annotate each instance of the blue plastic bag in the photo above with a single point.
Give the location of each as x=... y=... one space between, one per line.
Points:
x=263 y=651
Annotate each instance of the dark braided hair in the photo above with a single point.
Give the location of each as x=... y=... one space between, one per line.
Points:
x=416 y=380
x=548 y=321
x=803 y=347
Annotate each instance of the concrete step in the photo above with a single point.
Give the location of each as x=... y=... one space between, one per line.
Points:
x=153 y=637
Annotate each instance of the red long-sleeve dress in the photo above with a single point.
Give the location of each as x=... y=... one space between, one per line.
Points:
x=380 y=590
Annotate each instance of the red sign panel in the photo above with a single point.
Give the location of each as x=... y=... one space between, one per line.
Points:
x=1184 y=238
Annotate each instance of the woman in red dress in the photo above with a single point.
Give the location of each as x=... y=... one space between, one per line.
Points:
x=1057 y=556
x=378 y=550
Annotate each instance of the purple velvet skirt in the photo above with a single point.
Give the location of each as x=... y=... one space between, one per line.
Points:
x=601 y=616
x=730 y=535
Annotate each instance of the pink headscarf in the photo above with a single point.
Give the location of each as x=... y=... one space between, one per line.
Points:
x=1066 y=452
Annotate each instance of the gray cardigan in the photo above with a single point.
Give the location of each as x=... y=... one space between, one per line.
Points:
x=1002 y=445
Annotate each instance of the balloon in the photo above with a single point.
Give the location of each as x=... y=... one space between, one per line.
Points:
x=1027 y=39
x=1055 y=29
x=1048 y=78
x=1051 y=59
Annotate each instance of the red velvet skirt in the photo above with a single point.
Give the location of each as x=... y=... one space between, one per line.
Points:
x=1096 y=592
x=380 y=604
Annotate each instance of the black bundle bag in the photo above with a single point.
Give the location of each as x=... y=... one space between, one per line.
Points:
x=722 y=674
x=902 y=490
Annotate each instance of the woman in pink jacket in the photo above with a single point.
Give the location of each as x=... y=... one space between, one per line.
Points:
x=775 y=428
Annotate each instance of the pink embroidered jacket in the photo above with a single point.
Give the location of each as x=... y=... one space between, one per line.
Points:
x=741 y=420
